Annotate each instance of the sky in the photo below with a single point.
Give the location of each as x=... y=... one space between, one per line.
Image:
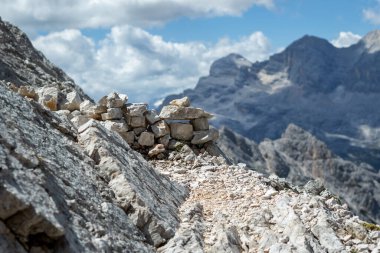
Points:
x=148 y=49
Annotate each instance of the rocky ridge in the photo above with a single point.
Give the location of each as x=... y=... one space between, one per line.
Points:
x=21 y=64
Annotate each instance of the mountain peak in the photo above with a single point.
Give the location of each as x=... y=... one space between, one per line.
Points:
x=372 y=41
x=310 y=41
x=229 y=65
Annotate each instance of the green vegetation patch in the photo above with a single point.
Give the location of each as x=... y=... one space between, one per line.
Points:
x=371 y=226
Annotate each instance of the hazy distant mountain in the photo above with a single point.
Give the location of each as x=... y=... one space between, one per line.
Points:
x=332 y=92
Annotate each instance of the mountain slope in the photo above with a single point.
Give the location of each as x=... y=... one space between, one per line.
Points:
x=331 y=92
x=22 y=64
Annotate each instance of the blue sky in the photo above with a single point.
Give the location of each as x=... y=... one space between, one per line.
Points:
x=151 y=48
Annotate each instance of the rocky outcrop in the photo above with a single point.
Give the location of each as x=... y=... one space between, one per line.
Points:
x=298 y=156
x=22 y=65
x=60 y=195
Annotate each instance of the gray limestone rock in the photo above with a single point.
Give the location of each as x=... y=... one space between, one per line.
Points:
x=112 y=114
x=201 y=137
x=146 y=139
x=200 y=124
x=152 y=116
x=181 y=131
x=136 y=109
x=160 y=129
x=182 y=113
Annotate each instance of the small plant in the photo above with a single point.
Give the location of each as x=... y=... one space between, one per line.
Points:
x=354 y=251
x=370 y=226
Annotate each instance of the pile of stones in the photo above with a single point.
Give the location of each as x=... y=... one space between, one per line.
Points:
x=142 y=128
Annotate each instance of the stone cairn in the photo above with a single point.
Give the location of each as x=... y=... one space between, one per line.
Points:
x=142 y=128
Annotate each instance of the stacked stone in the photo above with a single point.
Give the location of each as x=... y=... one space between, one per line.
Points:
x=143 y=129
x=188 y=123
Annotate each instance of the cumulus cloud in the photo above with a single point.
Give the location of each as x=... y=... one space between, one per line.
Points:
x=346 y=39
x=373 y=14
x=145 y=66
x=58 y=15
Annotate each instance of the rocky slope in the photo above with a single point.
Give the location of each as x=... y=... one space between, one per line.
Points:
x=328 y=91
x=22 y=64
x=298 y=156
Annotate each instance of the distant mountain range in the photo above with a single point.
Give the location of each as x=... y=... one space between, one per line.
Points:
x=331 y=93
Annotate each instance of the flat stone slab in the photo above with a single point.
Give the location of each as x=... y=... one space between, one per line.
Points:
x=183 y=113
x=201 y=137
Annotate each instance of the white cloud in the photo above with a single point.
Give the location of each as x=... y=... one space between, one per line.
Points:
x=346 y=39
x=373 y=14
x=144 y=66
x=58 y=15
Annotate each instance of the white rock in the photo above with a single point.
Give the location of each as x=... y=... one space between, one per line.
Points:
x=112 y=113
x=116 y=125
x=114 y=100
x=136 y=109
x=182 y=102
x=79 y=120
x=48 y=96
x=73 y=101
x=157 y=149
x=182 y=113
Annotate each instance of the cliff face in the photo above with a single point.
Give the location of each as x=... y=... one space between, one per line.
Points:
x=70 y=182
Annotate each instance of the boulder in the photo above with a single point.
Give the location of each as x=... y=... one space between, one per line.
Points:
x=114 y=100
x=182 y=113
x=200 y=124
x=116 y=125
x=28 y=91
x=79 y=120
x=146 y=139
x=139 y=130
x=181 y=102
x=164 y=140
x=137 y=109
x=129 y=137
x=48 y=96
x=157 y=149
x=152 y=116
x=72 y=102
x=181 y=131
x=91 y=110
x=201 y=137
x=160 y=129
x=112 y=113
x=137 y=121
